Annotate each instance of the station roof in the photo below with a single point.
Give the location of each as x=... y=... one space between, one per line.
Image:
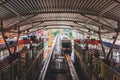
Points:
x=32 y=15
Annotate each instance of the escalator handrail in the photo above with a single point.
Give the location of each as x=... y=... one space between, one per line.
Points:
x=31 y=66
x=83 y=48
x=79 y=45
x=47 y=61
x=9 y=65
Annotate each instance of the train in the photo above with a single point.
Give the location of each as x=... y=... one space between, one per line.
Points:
x=66 y=46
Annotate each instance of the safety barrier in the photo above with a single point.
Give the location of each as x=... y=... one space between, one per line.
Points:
x=107 y=73
x=15 y=70
x=81 y=59
x=96 y=66
x=30 y=54
x=86 y=56
x=33 y=70
x=12 y=71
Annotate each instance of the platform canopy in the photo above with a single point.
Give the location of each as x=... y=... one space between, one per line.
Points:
x=32 y=15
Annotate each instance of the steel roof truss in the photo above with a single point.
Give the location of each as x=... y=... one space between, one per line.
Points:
x=36 y=30
x=106 y=26
x=86 y=27
x=33 y=26
x=11 y=27
x=106 y=22
x=7 y=7
x=4 y=38
x=100 y=38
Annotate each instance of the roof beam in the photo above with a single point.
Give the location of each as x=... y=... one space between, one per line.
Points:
x=2 y=2
x=52 y=25
x=106 y=21
x=107 y=32
x=84 y=31
x=54 y=28
x=108 y=8
x=107 y=27
x=86 y=27
x=31 y=27
x=78 y=12
x=116 y=1
x=36 y=30
x=11 y=32
x=11 y=27
x=52 y=20
x=66 y=25
x=57 y=20
x=8 y=8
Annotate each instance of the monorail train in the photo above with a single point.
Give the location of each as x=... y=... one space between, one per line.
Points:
x=66 y=45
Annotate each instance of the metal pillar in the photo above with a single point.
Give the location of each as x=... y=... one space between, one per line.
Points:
x=117 y=33
x=17 y=39
x=30 y=40
x=89 y=33
x=114 y=41
x=99 y=33
x=107 y=27
x=4 y=38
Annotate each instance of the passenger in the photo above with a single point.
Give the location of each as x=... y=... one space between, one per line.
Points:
x=96 y=54
x=84 y=53
x=86 y=47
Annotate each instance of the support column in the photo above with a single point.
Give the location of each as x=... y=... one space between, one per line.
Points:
x=117 y=33
x=89 y=33
x=17 y=39
x=112 y=45
x=30 y=40
x=3 y=35
x=103 y=49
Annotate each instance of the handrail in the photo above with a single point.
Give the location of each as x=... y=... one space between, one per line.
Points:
x=47 y=61
x=71 y=68
x=112 y=71
x=78 y=45
x=31 y=66
x=18 y=59
x=34 y=61
x=83 y=48
x=9 y=64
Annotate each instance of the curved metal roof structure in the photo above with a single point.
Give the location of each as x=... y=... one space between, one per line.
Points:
x=88 y=14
